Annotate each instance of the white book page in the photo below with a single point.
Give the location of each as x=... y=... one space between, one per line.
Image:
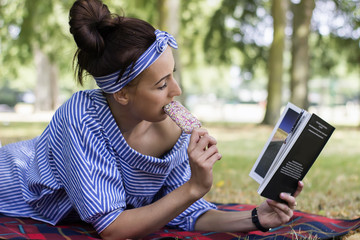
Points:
x=284 y=148
x=274 y=142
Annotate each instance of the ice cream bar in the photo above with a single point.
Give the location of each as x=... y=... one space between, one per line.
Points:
x=182 y=117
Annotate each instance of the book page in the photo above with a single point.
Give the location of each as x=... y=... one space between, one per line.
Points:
x=280 y=132
x=303 y=115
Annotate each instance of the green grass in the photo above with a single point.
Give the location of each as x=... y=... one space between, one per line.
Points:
x=17 y=131
x=331 y=186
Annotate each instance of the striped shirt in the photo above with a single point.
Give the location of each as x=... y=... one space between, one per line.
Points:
x=82 y=162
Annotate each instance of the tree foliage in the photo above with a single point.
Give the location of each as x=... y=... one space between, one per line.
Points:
x=342 y=28
x=30 y=24
x=223 y=32
x=239 y=25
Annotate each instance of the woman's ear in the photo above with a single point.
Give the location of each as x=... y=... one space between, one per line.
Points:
x=121 y=97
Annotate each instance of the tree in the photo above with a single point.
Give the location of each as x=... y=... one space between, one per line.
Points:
x=46 y=89
x=37 y=36
x=174 y=26
x=302 y=13
x=249 y=20
x=275 y=61
x=336 y=43
x=169 y=20
x=238 y=25
x=232 y=26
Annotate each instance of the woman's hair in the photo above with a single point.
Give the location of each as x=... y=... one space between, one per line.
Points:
x=106 y=42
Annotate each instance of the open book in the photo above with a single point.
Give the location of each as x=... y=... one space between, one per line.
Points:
x=293 y=146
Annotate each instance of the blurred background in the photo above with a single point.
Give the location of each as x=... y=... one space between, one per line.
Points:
x=238 y=61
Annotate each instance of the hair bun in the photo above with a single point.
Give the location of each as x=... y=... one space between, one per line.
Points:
x=89 y=21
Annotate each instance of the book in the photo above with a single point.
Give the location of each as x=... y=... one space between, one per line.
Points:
x=293 y=146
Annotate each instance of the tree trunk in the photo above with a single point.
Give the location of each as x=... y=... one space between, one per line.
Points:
x=173 y=25
x=169 y=20
x=46 y=91
x=163 y=14
x=275 y=62
x=300 y=53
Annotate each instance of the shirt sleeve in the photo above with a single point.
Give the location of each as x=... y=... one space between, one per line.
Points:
x=89 y=174
x=186 y=220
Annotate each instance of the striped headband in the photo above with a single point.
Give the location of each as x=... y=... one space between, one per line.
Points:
x=111 y=84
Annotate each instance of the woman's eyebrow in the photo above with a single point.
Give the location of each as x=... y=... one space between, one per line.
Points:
x=162 y=79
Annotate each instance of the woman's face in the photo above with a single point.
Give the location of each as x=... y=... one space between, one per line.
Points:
x=156 y=87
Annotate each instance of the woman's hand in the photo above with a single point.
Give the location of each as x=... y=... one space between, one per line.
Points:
x=203 y=154
x=273 y=214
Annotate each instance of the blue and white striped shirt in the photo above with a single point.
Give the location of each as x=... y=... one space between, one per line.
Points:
x=82 y=162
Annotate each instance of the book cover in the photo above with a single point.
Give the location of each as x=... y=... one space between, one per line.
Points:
x=297 y=155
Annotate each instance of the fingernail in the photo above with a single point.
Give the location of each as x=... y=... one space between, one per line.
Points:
x=283 y=194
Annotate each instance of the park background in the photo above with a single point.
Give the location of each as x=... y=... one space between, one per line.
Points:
x=238 y=63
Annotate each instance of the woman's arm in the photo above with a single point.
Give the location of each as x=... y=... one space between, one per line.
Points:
x=139 y=222
x=225 y=221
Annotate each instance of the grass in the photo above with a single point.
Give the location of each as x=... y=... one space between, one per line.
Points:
x=16 y=131
x=331 y=185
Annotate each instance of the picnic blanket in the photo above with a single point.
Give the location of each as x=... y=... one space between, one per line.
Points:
x=302 y=225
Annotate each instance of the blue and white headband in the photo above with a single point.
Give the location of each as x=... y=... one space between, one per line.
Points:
x=111 y=84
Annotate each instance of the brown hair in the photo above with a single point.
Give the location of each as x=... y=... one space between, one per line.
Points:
x=106 y=42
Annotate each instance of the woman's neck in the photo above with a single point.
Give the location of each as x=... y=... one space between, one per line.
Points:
x=122 y=116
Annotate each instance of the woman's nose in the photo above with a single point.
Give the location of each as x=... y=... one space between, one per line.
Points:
x=175 y=89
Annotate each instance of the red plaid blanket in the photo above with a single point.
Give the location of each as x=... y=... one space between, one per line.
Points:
x=301 y=225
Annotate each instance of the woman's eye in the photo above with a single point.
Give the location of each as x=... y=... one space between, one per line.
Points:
x=163 y=86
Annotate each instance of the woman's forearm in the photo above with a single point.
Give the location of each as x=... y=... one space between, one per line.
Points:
x=224 y=221
x=138 y=222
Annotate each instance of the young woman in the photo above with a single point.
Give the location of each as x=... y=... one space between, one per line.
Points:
x=112 y=155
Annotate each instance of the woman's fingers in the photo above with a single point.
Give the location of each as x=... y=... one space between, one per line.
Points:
x=205 y=141
x=201 y=142
x=211 y=155
x=205 y=156
x=283 y=211
x=291 y=201
x=194 y=138
x=196 y=135
x=299 y=189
